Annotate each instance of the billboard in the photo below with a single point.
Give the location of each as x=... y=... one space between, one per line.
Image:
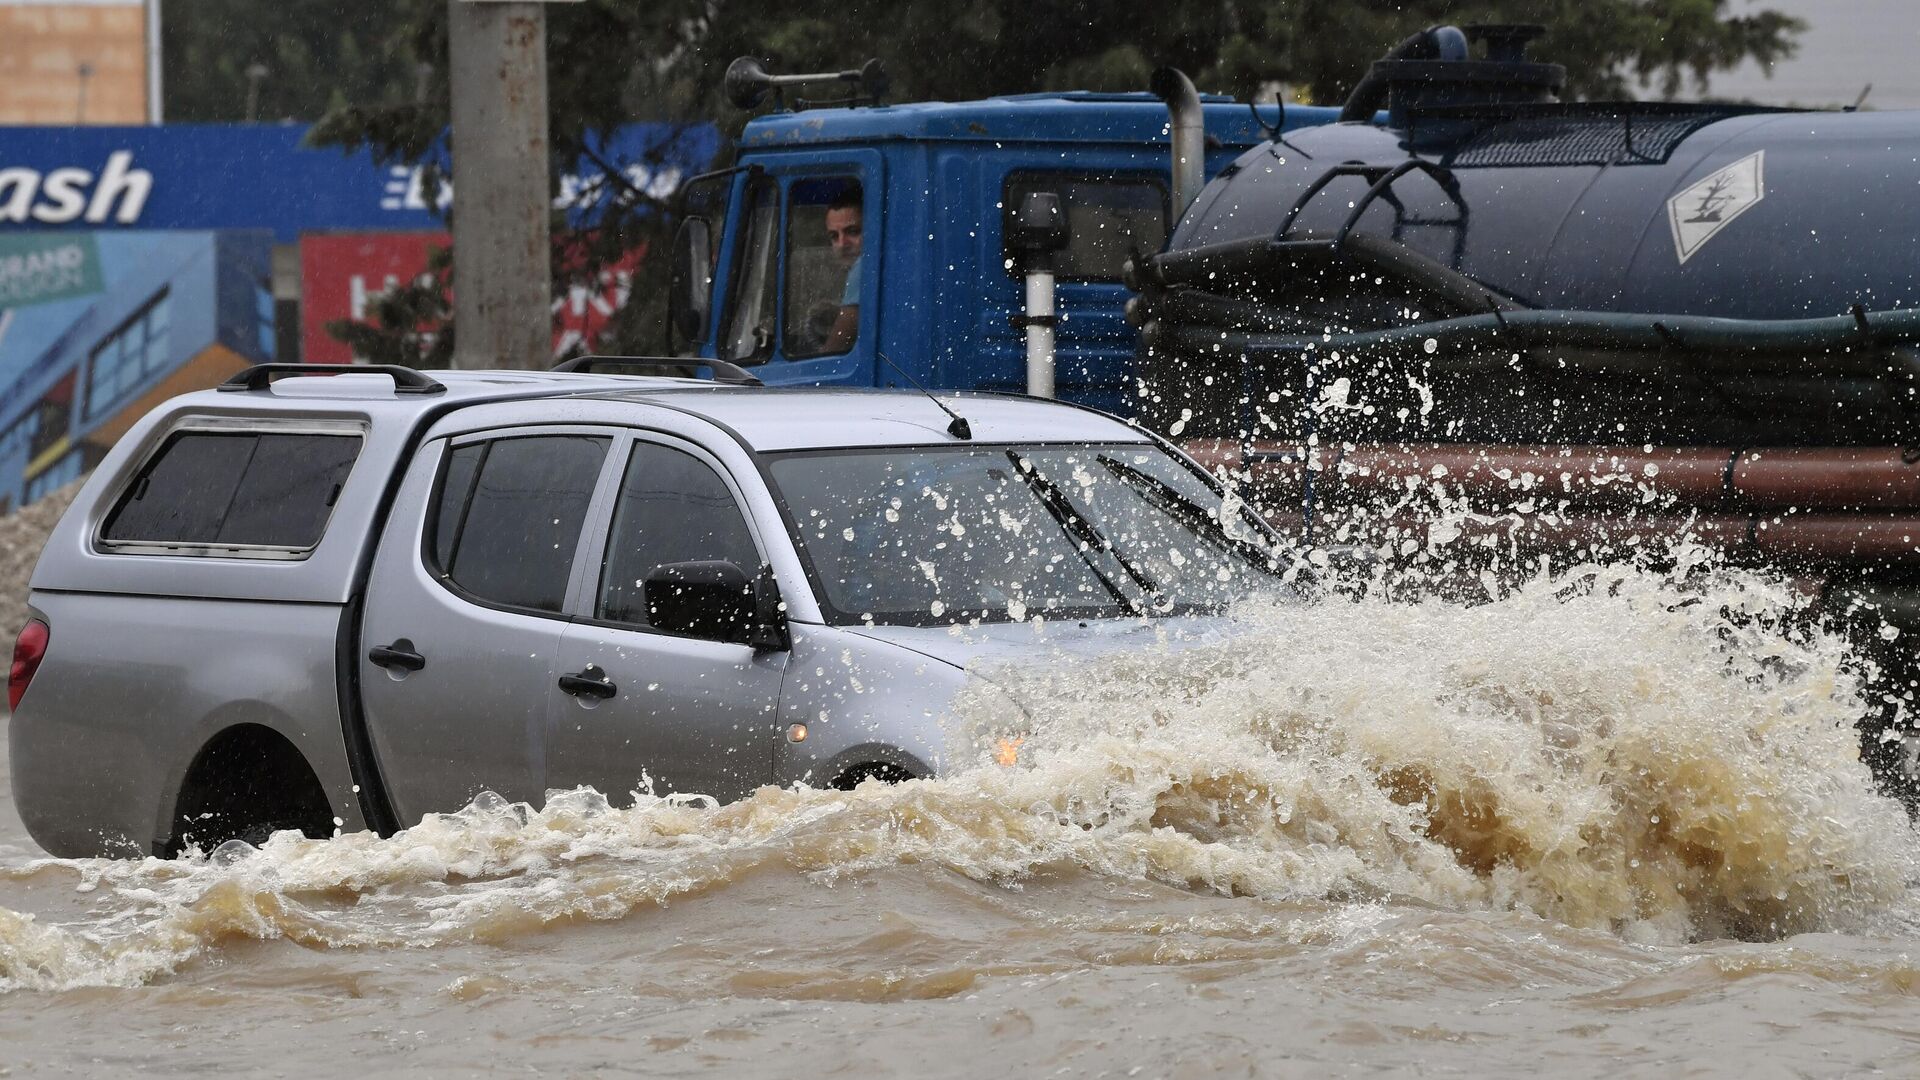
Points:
x=342 y=276
x=261 y=176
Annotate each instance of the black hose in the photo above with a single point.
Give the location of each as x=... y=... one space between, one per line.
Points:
x=1213 y=266
x=1433 y=43
x=1617 y=331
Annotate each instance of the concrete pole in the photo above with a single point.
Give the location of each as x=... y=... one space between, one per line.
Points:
x=502 y=288
x=154 y=114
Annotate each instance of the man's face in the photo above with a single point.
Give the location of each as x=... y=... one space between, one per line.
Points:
x=843 y=232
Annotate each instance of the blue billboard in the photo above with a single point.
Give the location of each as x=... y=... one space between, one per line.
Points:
x=252 y=176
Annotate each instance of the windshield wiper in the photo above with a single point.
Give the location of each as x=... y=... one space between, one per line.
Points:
x=1169 y=501
x=1079 y=528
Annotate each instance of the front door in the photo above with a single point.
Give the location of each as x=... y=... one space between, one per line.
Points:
x=464 y=614
x=675 y=714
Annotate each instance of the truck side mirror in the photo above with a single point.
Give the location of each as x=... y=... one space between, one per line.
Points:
x=1039 y=230
x=690 y=293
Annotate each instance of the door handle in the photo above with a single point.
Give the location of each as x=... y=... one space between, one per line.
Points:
x=400 y=654
x=591 y=682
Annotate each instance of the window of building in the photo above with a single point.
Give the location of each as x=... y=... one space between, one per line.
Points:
x=673 y=508
x=509 y=516
x=225 y=489
x=826 y=227
x=14 y=440
x=56 y=476
x=1108 y=218
x=52 y=417
x=125 y=360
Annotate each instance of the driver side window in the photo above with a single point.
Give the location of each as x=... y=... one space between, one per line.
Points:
x=673 y=508
x=826 y=233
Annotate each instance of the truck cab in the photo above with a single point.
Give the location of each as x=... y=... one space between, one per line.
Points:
x=767 y=277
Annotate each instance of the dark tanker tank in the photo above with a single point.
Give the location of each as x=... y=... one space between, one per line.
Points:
x=1499 y=327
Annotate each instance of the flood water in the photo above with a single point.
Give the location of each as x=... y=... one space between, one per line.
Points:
x=1608 y=824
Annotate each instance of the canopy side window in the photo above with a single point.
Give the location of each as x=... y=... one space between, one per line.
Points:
x=233 y=493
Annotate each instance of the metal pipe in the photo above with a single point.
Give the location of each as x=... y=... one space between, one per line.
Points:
x=1819 y=536
x=1825 y=477
x=1241 y=263
x=1188 y=126
x=1039 y=322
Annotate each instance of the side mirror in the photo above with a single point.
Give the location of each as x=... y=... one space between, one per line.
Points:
x=716 y=600
x=1039 y=229
x=690 y=295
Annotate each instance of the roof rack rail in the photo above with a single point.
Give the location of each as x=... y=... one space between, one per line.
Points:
x=260 y=376
x=670 y=366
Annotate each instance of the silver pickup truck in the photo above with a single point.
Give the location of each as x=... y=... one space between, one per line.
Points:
x=347 y=602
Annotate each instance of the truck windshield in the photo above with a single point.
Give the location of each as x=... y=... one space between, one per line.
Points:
x=928 y=536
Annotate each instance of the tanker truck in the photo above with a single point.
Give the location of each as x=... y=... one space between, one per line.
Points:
x=1456 y=325
x=1496 y=328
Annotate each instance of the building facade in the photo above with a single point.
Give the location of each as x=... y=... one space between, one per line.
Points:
x=73 y=61
x=141 y=262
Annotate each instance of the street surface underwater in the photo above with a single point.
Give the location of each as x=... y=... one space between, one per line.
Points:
x=1608 y=822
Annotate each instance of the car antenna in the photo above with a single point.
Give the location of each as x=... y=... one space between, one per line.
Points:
x=959 y=429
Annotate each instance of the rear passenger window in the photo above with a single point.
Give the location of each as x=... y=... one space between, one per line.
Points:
x=672 y=508
x=228 y=489
x=509 y=517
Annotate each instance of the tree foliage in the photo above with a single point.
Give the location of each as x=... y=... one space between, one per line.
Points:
x=313 y=55
x=613 y=61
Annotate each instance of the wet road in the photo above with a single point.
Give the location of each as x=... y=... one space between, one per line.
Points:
x=1584 y=834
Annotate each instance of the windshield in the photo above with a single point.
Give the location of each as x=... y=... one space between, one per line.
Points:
x=923 y=536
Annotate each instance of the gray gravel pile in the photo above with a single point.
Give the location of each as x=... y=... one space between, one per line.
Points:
x=22 y=534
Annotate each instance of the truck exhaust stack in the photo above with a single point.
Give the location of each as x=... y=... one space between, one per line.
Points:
x=1188 y=127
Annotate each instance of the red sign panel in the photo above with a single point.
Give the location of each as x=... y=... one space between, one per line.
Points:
x=343 y=274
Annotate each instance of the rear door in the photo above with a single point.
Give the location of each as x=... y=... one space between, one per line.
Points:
x=465 y=608
x=684 y=714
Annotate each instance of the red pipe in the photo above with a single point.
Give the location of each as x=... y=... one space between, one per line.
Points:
x=1822 y=536
x=1805 y=477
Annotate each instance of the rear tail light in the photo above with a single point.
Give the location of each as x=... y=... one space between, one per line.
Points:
x=28 y=649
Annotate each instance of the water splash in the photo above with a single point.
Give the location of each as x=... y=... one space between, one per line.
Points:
x=1665 y=757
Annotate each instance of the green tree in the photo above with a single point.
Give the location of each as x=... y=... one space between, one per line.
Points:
x=612 y=62
x=1610 y=48
x=312 y=56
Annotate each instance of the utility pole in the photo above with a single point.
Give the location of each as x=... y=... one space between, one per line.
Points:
x=502 y=283
x=154 y=114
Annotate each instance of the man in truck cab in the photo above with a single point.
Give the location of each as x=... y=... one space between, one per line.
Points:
x=844 y=227
x=826 y=271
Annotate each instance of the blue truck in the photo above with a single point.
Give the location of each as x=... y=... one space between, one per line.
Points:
x=938 y=289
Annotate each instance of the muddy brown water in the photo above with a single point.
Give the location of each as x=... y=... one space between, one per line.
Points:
x=1589 y=829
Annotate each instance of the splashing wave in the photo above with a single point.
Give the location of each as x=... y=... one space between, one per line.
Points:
x=1608 y=749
